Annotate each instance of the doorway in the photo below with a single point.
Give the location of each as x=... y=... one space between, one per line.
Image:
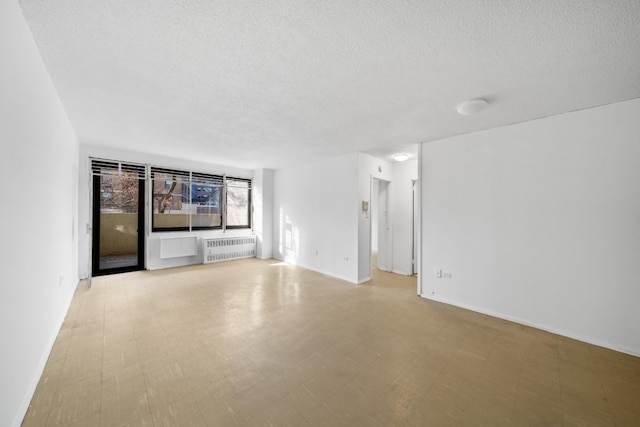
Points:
x=380 y=225
x=118 y=218
x=414 y=227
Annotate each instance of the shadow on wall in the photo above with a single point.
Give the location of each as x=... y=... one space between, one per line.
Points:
x=288 y=241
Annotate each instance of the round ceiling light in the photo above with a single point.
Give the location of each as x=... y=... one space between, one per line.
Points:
x=472 y=106
x=400 y=157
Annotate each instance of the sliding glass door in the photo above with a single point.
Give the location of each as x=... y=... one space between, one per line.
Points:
x=118 y=218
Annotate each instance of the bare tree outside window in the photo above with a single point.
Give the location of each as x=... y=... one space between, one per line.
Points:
x=119 y=193
x=186 y=201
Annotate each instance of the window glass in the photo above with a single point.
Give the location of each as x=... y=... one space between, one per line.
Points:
x=193 y=201
x=171 y=201
x=206 y=202
x=238 y=203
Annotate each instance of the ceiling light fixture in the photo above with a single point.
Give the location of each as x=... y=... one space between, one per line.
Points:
x=472 y=106
x=401 y=157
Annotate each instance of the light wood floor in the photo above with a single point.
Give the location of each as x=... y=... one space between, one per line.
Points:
x=260 y=343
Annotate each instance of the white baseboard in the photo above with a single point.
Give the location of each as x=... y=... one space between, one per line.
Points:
x=401 y=272
x=553 y=330
x=24 y=407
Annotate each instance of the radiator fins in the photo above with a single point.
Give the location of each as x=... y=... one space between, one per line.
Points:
x=229 y=248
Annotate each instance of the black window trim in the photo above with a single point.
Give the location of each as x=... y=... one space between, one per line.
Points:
x=201 y=178
x=249 y=207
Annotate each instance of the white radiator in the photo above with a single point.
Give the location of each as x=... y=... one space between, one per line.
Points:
x=228 y=248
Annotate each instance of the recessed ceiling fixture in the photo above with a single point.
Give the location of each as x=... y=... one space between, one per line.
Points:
x=472 y=106
x=400 y=157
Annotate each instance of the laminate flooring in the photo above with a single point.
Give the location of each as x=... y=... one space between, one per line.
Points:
x=262 y=343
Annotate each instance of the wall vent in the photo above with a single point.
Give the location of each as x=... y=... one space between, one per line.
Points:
x=228 y=248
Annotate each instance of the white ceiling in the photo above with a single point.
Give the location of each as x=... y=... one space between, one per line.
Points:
x=269 y=83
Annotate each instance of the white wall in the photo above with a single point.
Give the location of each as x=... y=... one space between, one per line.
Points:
x=402 y=206
x=315 y=216
x=318 y=207
x=539 y=222
x=38 y=172
x=263 y=212
x=152 y=253
x=368 y=167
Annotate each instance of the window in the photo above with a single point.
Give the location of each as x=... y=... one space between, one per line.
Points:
x=119 y=185
x=206 y=199
x=171 y=202
x=238 y=203
x=184 y=201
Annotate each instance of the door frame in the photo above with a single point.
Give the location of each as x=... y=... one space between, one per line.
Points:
x=414 y=227
x=388 y=249
x=95 y=228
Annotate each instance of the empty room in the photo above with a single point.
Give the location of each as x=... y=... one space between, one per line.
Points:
x=385 y=213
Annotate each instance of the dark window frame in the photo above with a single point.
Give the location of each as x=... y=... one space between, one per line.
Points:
x=208 y=181
x=205 y=180
x=249 y=203
x=99 y=170
x=158 y=173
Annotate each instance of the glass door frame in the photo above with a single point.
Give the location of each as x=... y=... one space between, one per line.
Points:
x=95 y=241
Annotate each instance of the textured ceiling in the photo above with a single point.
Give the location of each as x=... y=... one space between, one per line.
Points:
x=265 y=84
